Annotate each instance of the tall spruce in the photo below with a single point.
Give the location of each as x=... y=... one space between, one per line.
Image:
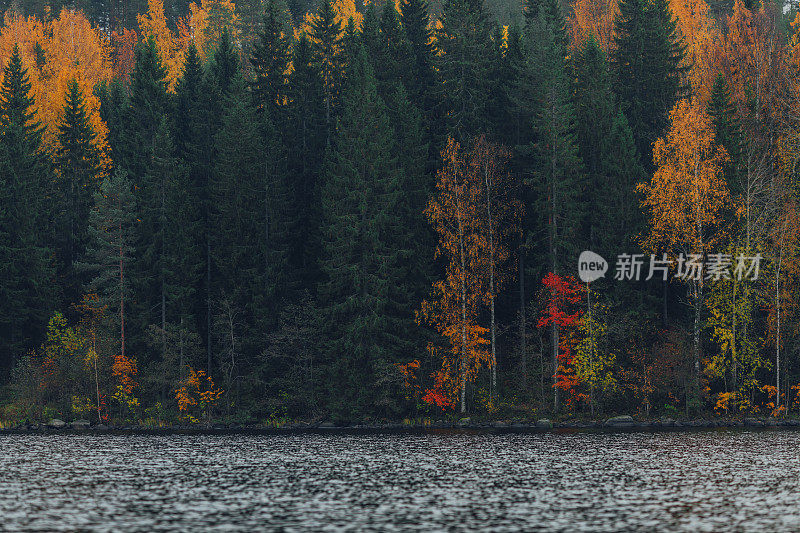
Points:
x=109 y=253
x=647 y=62
x=26 y=285
x=271 y=58
x=325 y=35
x=608 y=153
x=463 y=67
x=305 y=143
x=555 y=170
x=363 y=229
x=78 y=176
x=727 y=130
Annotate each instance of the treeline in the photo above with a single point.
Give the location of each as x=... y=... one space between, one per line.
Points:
x=367 y=213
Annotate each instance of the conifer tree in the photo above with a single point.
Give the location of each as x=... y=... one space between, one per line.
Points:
x=556 y=171
x=609 y=156
x=109 y=253
x=325 y=35
x=193 y=145
x=727 y=130
x=362 y=282
x=271 y=57
x=26 y=281
x=305 y=143
x=647 y=62
x=463 y=65
x=415 y=22
x=79 y=173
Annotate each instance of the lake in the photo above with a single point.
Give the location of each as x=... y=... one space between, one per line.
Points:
x=662 y=481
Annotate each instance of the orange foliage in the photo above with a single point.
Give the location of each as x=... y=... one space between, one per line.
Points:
x=55 y=53
x=124 y=370
x=207 y=21
x=344 y=9
x=687 y=194
x=456 y=212
x=754 y=57
x=703 y=41
x=124 y=46
x=171 y=45
x=197 y=391
x=593 y=17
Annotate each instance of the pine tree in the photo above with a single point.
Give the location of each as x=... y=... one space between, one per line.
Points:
x=647 y=61
x=463 y=66
x=271 y=57
x=362 y=231
x=26 y=283
x=109 y=253
x=79 y=174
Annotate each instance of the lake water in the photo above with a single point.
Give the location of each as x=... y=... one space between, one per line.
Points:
x=706 y=480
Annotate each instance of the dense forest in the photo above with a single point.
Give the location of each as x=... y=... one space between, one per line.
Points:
x=265 y=212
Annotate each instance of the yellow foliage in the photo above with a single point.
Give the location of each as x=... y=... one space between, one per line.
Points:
x=55 y=53
x=171 y=47
x=208 y=20
x=703 y=44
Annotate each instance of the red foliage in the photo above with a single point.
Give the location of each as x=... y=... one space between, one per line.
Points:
x=563 y=311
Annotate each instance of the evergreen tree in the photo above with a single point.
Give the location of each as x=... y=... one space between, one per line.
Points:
x=727 y=130
x=305 y=143
x=26 y=283
x=608 y=153
x=79 y=172
x=415 y=22
x=555 y=171
x=109 y=253
x=147 y=108
x=463 y=66
x=271 y=57
x=193 y=145
x=325 y=35
x=363 y=245
x=647 y=61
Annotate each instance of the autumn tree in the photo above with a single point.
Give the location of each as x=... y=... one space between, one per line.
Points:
x=686 y=200
x=456 y=212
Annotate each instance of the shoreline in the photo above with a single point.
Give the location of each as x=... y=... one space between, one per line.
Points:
x=615 y=424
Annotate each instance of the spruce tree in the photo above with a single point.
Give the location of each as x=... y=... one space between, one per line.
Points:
x=463 y=66
x=26 y=285
x=363 y=281
x=305 y=143
x=554 y=171
x=271 y=57
x=727 y=130
x=325 y=35
x=647 y=59
x=608 y=153
x=78 y=166
x=193 y=145
x=415 y=22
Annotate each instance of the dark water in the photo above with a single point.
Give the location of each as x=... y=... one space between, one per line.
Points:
x=703 y=481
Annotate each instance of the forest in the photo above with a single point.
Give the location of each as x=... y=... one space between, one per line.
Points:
x=268 y=212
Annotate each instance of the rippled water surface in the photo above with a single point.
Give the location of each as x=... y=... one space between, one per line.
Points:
x=712 y=481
